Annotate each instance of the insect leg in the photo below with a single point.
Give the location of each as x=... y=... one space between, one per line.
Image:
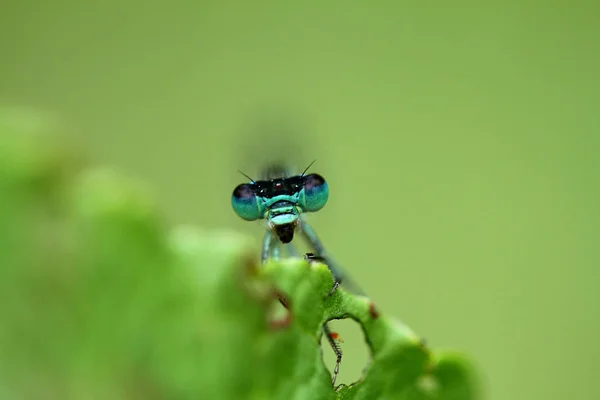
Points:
x=275 y=250
x=266 y=248
x=321 y=255
x=336 y=349
x=313 y=239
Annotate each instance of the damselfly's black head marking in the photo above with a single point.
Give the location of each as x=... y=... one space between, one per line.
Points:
x=279 y=187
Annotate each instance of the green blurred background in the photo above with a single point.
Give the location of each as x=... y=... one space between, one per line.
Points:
x=460 y=141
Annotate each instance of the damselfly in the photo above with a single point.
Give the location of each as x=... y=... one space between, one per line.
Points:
x=282 y=199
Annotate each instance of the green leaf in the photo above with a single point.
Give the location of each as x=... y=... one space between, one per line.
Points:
x=101 y=300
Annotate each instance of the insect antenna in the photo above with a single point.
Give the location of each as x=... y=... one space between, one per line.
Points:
x=251 y=180
x=309 y=165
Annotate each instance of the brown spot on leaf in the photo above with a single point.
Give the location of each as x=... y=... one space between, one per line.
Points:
x=373 y=311
x=250 y=265
x=246 y=279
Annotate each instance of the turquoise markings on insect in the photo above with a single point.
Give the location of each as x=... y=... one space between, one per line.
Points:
x=315 y=194
x=280 y=201
x=246 y=204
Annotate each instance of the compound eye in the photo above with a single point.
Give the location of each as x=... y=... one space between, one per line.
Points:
x=316 y=192
x=245 y=203
x=313 y=181
x=244 y=191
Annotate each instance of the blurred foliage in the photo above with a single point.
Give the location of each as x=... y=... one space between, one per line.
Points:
x=460 y=141
x=100 y=301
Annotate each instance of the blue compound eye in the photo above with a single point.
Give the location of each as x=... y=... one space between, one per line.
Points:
x=245 y=202
x=315 y=192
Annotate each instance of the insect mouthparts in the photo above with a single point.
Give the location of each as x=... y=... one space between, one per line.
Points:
x=285 y=232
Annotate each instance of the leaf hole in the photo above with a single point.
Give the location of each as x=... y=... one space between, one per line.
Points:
x=356 y=355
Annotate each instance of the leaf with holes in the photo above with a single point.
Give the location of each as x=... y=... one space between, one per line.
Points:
x=402 y=367
x=101 y=300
